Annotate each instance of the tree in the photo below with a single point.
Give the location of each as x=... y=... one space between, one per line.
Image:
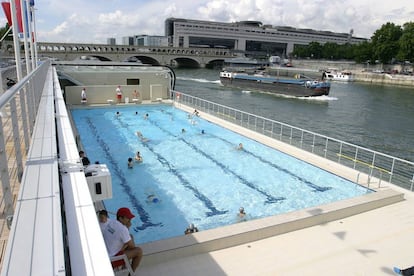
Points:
x=363 y=52
x=330 y=50
x=315 y=50
x=385 y=42
x=3 y=31
x=406 y=43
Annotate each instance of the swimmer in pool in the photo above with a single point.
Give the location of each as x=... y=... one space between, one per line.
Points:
x=241 y=216
x=140 y=136
x=240 y=147
x=138 y=157
x=130 y=163
x=190 y=229
x=152 y=199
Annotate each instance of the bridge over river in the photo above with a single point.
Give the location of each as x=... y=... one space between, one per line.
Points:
x=173 y=56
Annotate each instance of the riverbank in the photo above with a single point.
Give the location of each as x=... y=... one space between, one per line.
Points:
x=387 y=79
x=360 y=71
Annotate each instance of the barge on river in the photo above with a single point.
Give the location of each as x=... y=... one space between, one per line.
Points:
x=299 y=86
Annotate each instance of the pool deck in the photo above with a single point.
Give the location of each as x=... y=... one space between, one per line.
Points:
x=369 y=243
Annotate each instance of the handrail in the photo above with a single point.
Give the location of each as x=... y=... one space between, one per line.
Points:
x=48 y=236
x=375 y=164
x=36 y=244
x=18 y=109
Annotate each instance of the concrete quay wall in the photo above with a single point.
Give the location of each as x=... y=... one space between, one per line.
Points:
x=361 y=72
x=388 y=79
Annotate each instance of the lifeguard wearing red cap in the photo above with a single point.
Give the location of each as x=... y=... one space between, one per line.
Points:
x=124 y=212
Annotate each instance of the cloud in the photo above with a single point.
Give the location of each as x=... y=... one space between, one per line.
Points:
x=93 y=21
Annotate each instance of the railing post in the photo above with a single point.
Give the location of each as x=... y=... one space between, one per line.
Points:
x=16 y=139
x=372 y=165
x=24 y=118
x=4 y=174
x=313 y=143
x=392 y=171
x=355 y=157
x=281 y=132
x=301 y=139
x=340 y=153
x=273 y=124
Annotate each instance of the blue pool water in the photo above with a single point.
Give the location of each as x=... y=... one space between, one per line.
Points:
x=191 y=177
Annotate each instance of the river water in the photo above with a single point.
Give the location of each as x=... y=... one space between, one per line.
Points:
x=377 y=117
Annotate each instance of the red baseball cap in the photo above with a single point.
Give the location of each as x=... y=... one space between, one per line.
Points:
x=124 y=212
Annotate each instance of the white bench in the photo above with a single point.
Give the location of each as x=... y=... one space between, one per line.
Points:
x=110 y=101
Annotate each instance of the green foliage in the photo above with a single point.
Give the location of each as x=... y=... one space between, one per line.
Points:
x=389 y=43
x=406 y=43
x=385 y=42
x=3 y=30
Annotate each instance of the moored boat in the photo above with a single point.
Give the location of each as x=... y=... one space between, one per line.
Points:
x=300 y=86
x=335 y=75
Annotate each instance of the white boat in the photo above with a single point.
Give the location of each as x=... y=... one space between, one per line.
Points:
x=334 y=75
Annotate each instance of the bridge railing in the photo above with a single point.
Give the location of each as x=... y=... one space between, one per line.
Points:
x=96 y=49
x=375 y=164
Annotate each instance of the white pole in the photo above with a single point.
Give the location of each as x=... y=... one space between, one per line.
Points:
x=15 y=26
x=34 y=39
x=23 y=9
x=31 y=36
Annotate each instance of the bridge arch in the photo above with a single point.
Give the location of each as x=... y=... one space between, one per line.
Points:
x=143 y=59
x=184 y=62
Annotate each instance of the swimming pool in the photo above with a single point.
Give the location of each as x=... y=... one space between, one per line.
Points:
x=196 y=175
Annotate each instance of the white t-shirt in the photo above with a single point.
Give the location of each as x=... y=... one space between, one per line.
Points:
x=104 y=224
x=115 y=235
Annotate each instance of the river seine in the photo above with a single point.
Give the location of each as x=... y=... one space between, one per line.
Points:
x=377 y=117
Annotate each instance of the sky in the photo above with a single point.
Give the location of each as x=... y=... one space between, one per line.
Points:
x=94 y=21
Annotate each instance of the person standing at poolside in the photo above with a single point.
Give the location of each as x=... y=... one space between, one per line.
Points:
x=135 y=95
x=119 y=241
x=83 y=95
x=119 y=94
x=84 y=159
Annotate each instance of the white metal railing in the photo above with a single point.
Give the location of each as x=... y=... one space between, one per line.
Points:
x=48 y=236
x=18 y=109
x=375 y=164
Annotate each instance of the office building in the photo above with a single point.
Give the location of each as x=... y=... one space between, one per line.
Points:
x=248 y=36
